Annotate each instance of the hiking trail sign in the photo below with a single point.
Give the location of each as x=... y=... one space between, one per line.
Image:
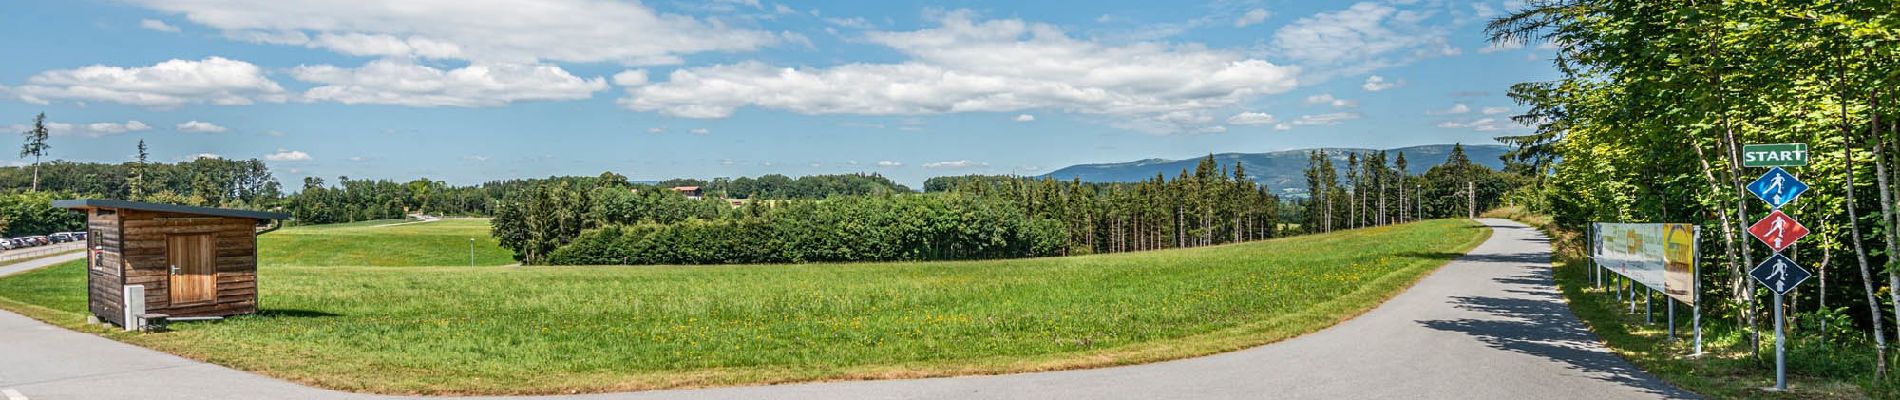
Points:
x=1778 y=230
x=1775 y=155
x=1777 y=187
x=1780 y=274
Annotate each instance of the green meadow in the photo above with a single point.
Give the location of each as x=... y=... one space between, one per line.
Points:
x=383 y=243
x=539 y=330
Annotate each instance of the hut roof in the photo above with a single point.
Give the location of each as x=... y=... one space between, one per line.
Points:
x=169 y=208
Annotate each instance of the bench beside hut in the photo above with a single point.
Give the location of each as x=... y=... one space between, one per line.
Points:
x=189 y=261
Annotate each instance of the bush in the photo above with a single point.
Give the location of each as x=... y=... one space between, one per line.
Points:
x=888 y=228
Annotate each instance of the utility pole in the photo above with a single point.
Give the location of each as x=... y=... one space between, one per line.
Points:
x=471 y=252
x=1418 y=201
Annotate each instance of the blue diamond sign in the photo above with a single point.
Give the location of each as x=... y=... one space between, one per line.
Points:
x=1777 y=187
x=1779 y=274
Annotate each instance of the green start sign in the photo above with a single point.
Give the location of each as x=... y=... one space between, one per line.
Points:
x=1775 y=155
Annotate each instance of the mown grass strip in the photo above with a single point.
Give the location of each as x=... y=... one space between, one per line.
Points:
x=536 y=330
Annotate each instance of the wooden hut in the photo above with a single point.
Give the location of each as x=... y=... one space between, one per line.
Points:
x=190 y=261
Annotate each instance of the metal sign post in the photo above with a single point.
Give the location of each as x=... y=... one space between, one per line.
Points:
x=1649 y=310
x=1780 y=275
x=1778 y=230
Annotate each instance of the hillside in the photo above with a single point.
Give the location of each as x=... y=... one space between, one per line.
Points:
x=1283 y=171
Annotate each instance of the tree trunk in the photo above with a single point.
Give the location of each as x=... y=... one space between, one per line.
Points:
x=1402 y=208
x=1860 y=254
x=1729 y=233
x=1741 y=214
x=1886 y=204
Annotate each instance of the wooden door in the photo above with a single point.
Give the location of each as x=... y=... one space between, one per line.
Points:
x=194 y=274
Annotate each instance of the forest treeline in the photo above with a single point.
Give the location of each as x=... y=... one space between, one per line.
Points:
x=1655 y=102
x=249 y=184
x=603 y=220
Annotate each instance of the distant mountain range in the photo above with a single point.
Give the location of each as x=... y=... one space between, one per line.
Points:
x=1282 y=171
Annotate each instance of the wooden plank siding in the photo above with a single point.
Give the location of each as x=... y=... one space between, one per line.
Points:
x=105 y=272
x=145 y=241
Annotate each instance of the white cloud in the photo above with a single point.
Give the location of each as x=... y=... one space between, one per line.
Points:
x=1328 y=99
x=699 y=131
x=475 y=158
x=1282 y=127
x=478 y=85
x=965 y=65
x=1377 y=83
x=1025 y=118
x=1251 y=118
x=1253 y=16
x=1495 y=110
x=958 y=164
x=632 y=77
x=92 y=130
x=1501 y=46
x=204 y=155
x=287 y=155
x=1326 y=119
x=157 y=25
x=853 y=23
x=1364 y=37
x=358 y=158
x=274 y=133
x=1459 y=108
x=888 y=163
x=173 y=83
x=199 y=126
x=1482 y=124
x=656 y=130
x=484 y=31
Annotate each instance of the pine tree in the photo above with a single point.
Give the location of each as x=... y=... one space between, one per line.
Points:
x=136 y=184
x=36 y=146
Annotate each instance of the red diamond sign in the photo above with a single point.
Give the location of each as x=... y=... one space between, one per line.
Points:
x=1778 y=230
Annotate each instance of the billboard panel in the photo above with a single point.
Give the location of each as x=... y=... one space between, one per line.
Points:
x=1660 y=256
x=1679 y=269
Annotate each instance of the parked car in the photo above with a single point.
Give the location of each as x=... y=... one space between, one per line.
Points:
x=61 y=237
x=6 y=244
x=79 y=235
x=43 y=240
x=20 y=242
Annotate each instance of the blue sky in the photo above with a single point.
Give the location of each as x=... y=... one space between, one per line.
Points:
x=469 y=91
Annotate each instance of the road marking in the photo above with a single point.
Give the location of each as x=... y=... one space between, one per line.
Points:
x=13 y=394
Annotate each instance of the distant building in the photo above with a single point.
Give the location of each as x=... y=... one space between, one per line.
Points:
x=691 y=192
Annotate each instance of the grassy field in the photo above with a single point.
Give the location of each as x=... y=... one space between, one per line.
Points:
x=521 y=330
x=383 y=243
x=1728 y=369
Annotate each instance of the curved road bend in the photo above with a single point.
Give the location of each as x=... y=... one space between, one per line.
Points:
x=1490 y=325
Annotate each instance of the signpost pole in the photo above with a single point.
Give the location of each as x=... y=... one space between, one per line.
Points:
x=1649 y=311
x=1695 y=318
x=1672 y=317
x=1632 y=291
x=1695 y=292
x=1781 y=351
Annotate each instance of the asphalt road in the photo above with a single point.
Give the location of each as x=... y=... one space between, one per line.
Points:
x=1488 y=326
